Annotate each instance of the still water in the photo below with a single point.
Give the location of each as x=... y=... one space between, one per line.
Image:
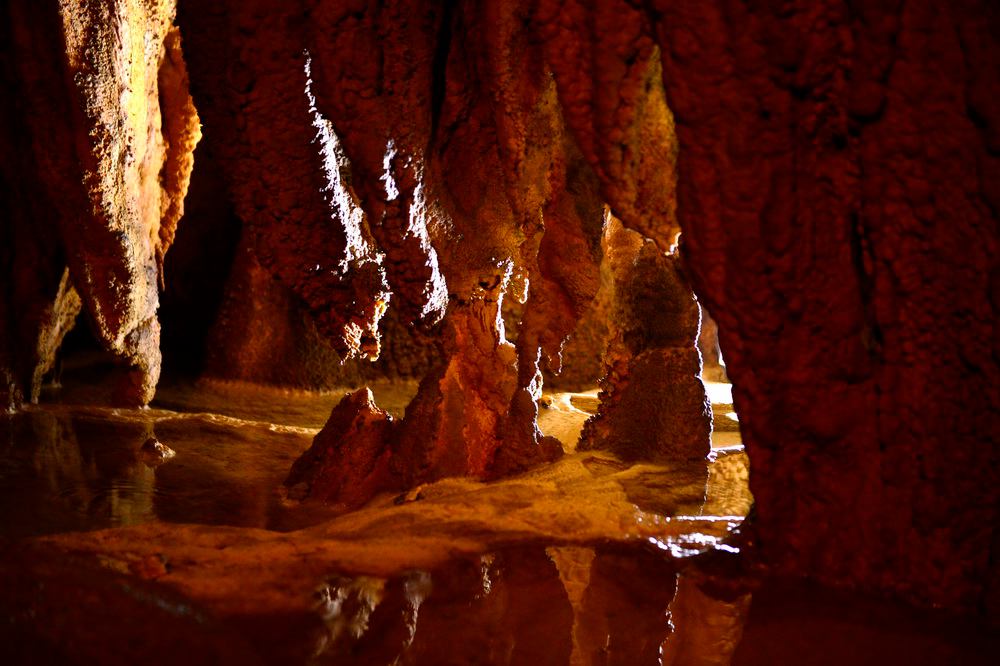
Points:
x=109 y=556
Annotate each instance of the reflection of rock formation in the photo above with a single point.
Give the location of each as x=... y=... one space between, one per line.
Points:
x=75 y=473
x=88 y=471
x=531 y=605
x=504 y=608
x=624 y=614
x=112 y=485
x=76 y=610
x=625 y=602
x=574 y=564
x=707 y=628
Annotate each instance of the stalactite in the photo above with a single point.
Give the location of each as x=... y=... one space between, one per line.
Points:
x=91 y=76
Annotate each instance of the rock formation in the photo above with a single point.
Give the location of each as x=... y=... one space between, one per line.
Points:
x=351 y=459
x=102 y=94
x=653 y=403
x=837 y=187
x=713 y=367
x=517 y=193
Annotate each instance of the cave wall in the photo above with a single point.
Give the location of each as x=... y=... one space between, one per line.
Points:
x=838 y=193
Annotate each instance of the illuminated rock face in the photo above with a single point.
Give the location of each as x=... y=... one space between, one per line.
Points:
x=447 y=157
x=101 y=93
x=835 y=168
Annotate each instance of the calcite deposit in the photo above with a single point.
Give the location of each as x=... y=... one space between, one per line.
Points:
x=94 y=82
x=653 y=403
x=415 y=165
x=837 y=187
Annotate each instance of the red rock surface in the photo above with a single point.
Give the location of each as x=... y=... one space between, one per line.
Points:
x=350 y=459
x=838 y=191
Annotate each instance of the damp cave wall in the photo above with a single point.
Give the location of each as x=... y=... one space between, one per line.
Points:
x=838 y=192
x=836 y=184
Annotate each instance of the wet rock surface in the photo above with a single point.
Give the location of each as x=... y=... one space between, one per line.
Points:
x=153 y=452
x=588 y=560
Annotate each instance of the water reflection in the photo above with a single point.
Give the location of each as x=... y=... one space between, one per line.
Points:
x=604 y=604
x=567 y=599
x=69 y=470
x=73 y=468
x=61 y=473
x=709 y=626
x=599 y=605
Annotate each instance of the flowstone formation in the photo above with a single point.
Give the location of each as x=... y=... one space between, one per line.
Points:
x=838 y=191
x=100 y=131
x=653 y=403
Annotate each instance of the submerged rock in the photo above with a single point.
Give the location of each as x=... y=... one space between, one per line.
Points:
x=153 y=452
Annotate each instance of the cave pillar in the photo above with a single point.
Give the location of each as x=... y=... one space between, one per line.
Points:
x=453 y=426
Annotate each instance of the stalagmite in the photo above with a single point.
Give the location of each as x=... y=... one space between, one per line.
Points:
x=653 y=403
x=713 y=366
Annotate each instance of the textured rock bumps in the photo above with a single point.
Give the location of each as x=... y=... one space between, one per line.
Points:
x=350 y=458
x=653 y=403
x=838 y=193
x=94 y=83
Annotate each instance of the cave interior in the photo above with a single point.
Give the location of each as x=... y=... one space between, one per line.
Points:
x=499 y=332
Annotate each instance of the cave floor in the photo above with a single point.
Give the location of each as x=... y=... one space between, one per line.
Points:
x=200 y=558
